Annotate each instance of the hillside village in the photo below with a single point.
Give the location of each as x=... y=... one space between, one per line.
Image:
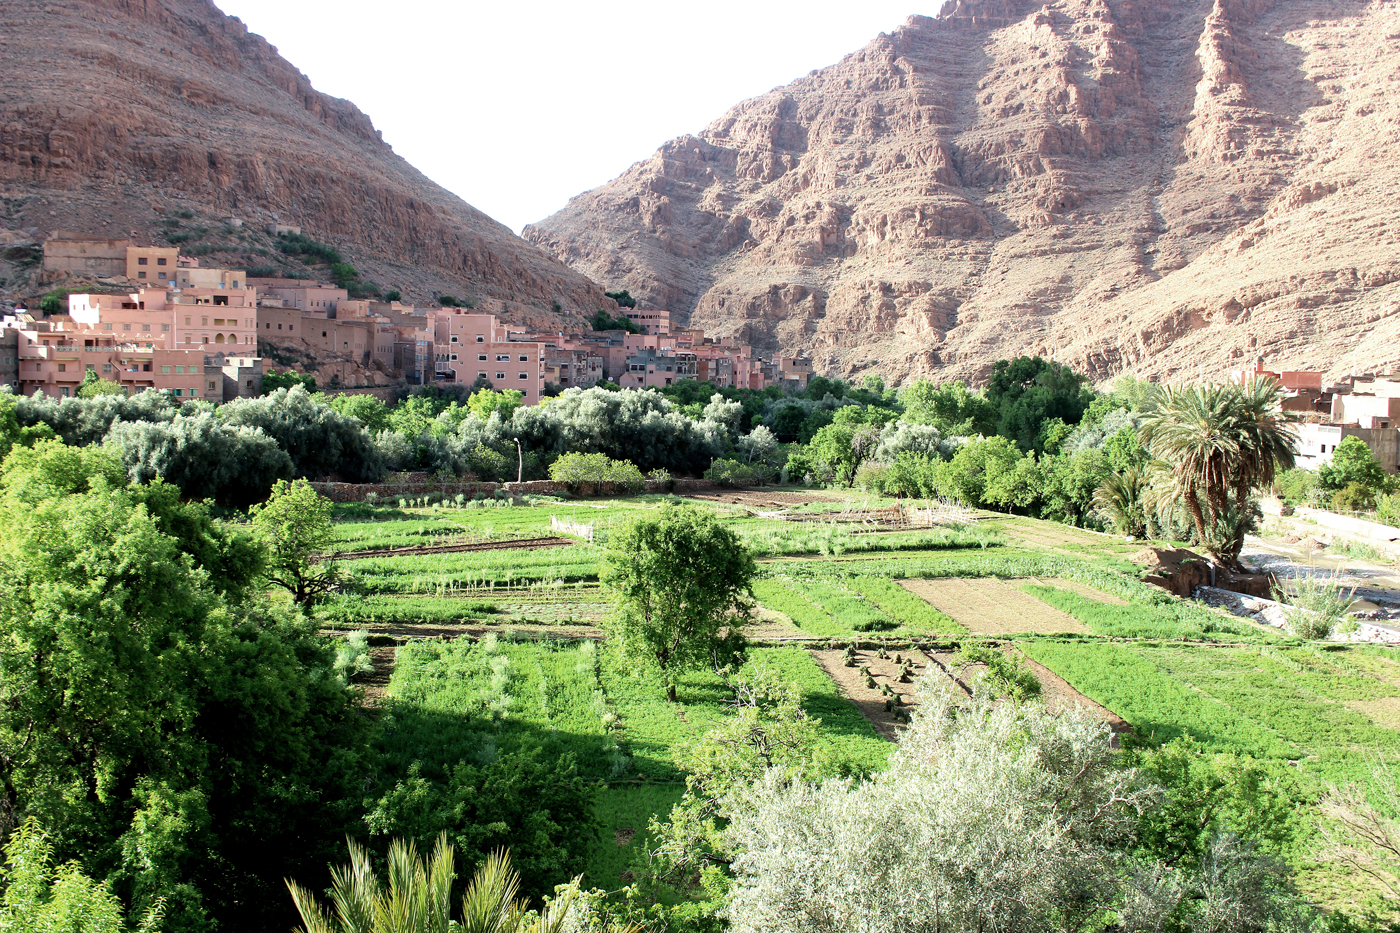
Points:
x=169 y=334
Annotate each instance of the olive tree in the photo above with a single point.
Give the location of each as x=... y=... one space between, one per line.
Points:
x=682 y=581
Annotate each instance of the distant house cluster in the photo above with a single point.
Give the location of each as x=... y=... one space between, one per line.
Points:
x=1365 y=406
x=196 y=332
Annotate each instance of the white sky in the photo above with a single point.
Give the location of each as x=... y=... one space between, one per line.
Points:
x=517 y=107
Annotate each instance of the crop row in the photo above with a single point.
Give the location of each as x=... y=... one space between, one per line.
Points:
x=443 y=574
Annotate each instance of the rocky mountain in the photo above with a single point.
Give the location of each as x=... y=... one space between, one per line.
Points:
x=163 y=119
x=1164 y=187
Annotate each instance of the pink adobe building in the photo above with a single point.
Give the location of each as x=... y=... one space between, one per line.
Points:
x=55 y=356
x=471 y=346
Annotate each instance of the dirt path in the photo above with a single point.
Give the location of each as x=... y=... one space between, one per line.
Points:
x=990 y=606
x=504 y=545
x=376 y=682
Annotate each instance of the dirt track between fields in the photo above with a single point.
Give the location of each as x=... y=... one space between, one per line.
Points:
x=505 y=545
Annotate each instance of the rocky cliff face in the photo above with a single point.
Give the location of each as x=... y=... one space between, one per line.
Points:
x=121 y=117
x=1164 y=187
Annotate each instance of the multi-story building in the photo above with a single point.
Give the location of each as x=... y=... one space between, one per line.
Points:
x=657 y=368
x=9 y=351
x=55 y=356
x=473 y=346
x=152 y=265
x=317 y=297
x=73 y=253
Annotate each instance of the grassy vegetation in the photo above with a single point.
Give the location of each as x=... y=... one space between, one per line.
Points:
x=1168 y=666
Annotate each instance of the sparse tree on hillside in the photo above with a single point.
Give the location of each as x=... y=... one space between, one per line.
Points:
x=681 y=581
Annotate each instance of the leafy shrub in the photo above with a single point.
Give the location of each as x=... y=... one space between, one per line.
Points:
x=1319 y=605
x=662 y=478
x=731 y=473
x=352 y=656
x=1353 y=497
x=1006 y=676
x=1297 y=487
x=1388 y=509
x=298 y=244
x=872 y=477
x=230 y=464
x=578 y=470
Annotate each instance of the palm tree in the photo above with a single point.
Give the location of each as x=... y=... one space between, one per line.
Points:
x=418 y=898
x=1221 y=442
x=1119 y=499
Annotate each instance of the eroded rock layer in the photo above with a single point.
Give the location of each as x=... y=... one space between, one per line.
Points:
x=1162 y=187
x=117 y=114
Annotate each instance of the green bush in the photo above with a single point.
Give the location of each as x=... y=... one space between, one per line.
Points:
x=1353 y=497
x=1388 y=509
x=297 y=244
x=731 y=473
x=1297 y=487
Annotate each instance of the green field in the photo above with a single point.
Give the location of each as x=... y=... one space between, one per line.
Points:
x=1169 y=667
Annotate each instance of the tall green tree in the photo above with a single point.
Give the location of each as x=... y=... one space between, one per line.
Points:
x=295 y=523
x=175 y=733
x=1352 y=462
x=681 y=581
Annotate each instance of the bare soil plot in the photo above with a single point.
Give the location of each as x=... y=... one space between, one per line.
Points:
x=871 y=700
x=464 y=547
x=1384 y=712
x=990 y=606
x=1063 y=537
x=759 y=499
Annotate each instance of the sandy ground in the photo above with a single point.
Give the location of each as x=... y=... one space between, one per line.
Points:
x=1376 y=583
x=989 y=606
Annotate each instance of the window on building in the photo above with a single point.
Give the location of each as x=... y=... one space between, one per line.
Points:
x=205 y=341
x=323 y=333
x=453 y=357
x=179 y=369
x=165 y=328
x=126 y=325
x=160 y=262
x=502 y=357
x=141 y=260
x=161 y=274
x=500 y=375
x=454 y=338
x=203 y=322
x=106 y=368
x=140 y=275
x=194 y=392
x=165 y=369
x=187 y=319
x=106 y=326
x=480 y=339
x=218 y=322
x=63 y=391
x=145 y=328
x=481 y=375
x=194 y=369
x=221 y=299
x=63 y=367
x=524 y=375
x=290 y=328
x=213 y=385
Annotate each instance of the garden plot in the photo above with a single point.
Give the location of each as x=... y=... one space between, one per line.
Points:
x=854 y=680
x=990 y=606
x=759 y=499
x=463 y=546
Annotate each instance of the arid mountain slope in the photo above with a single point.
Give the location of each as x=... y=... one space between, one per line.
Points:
x=1162 y=187
x=117 y=114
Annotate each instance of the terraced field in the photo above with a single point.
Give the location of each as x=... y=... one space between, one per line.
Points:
x=431 y=584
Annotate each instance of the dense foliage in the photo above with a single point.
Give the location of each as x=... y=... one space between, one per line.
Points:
x=178 y=735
